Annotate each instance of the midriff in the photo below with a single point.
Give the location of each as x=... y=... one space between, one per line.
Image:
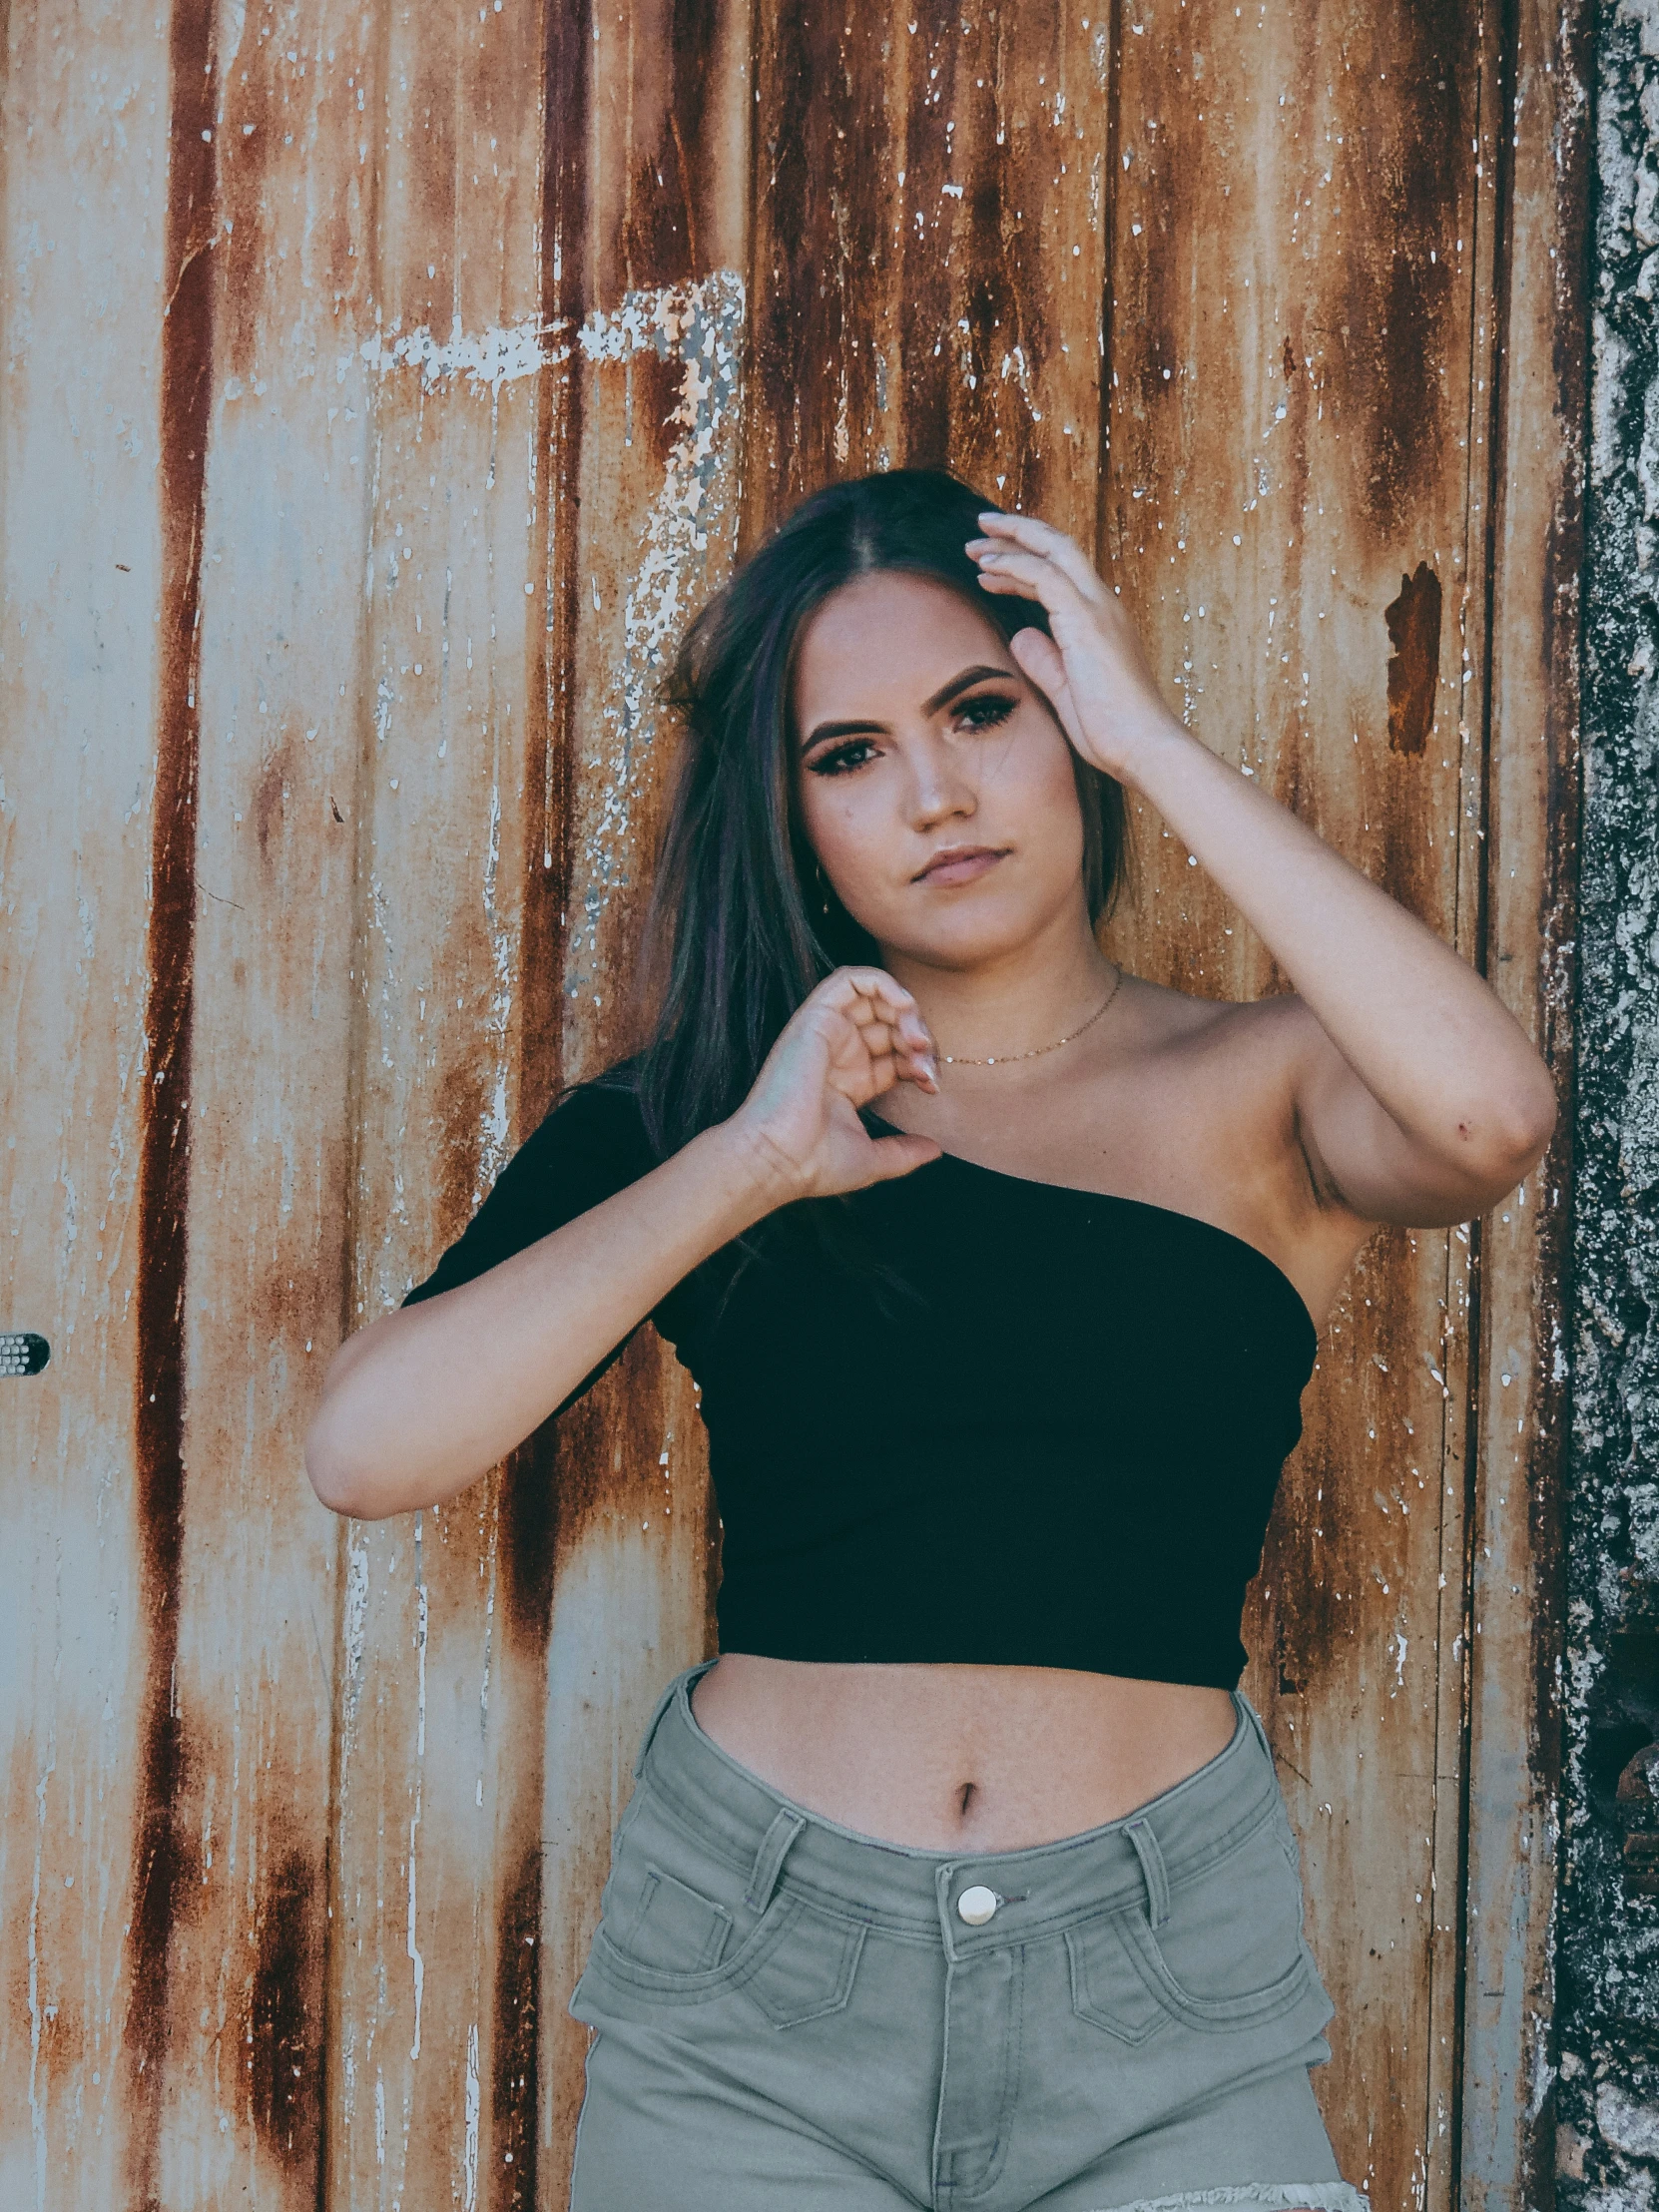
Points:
x=959 y=1758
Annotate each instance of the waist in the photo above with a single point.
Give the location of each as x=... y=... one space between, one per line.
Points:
x=958 y=1757
x=740 y=1813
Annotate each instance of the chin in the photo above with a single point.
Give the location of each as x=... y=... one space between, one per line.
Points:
x=962 y=940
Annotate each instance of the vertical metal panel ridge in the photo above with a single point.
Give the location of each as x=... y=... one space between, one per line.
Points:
x=529 y=1501
x=186 y=388
x=566 y=287
x=439 y=1797
x=1108 y=320
x=1539 y=401
x=651 y=233
x=1491 y=275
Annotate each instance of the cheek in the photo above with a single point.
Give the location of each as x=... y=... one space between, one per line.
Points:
x=1037 y=793
x=845 y=824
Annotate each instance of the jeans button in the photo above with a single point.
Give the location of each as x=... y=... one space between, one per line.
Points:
x=976 y=1906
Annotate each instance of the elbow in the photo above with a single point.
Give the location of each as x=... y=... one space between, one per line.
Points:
x=331 y=1480
x=1525 y=1123
x=1499 y=1146
x=341 y=1464
x=339 y=1480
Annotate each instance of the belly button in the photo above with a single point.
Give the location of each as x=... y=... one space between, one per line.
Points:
x=964 y=1797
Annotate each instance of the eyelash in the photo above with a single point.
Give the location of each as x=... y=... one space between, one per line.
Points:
x=838 y=760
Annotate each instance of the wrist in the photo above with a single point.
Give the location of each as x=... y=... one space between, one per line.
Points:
x=753 y=1172
x=1152 y=753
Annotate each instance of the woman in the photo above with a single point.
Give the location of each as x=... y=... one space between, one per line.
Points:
x=962 y=1878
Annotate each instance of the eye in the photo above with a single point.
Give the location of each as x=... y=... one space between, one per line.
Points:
x=985 y=710
x=838 y=759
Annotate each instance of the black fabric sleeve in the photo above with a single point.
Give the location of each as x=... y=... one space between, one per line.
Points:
x=592 y=1145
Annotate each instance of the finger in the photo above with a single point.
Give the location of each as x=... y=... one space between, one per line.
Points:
x=1042 y=660
x=1037 y=536
x=1033 y=568
x=871 y=995
x=902 y=1155
x=922 y=1069
x=1004 y=580
x=864 y=985
x=1008 y=569
x=890 y=1003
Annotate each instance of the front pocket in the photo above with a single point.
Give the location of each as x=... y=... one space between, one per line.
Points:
x=796 y=1963
x=1105 y=1986
x=674 y=1927
x=810 y=1972
x=1230 y=1953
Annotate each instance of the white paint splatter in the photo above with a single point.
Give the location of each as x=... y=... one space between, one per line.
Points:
x=415 y=1959
x=469 y=2152
x=700 y=325
x=357 y=1622
x=486 y=358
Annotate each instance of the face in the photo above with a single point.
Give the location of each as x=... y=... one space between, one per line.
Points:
x=935 y=786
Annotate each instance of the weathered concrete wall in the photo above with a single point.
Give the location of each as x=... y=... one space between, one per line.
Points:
x=1608 y=2143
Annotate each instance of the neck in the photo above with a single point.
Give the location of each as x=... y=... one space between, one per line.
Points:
x=1019 y=1000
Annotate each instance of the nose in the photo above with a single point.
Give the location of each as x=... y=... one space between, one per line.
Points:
x=939 y=786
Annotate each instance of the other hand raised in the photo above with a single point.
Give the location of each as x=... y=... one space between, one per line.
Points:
x=1093 y=666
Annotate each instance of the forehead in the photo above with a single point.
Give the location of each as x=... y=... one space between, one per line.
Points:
x=883 y=643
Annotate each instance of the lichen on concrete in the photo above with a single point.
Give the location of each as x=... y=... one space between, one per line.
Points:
x=1609 y=1929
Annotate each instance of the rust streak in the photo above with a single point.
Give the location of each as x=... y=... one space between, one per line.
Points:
x=1414 y=621
x=283 y=2036
x=186 y=387
x=517 y=2061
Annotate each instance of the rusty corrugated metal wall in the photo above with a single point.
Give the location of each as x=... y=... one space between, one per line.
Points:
x=382 y=387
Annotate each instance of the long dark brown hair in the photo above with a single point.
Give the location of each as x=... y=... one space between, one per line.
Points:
x=743 y=923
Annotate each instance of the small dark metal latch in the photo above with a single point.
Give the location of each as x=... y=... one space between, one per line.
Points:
x=22 y=1351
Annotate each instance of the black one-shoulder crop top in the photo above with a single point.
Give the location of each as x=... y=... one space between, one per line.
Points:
x=993 y=1419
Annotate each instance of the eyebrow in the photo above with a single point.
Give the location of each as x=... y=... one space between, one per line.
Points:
x=941 y=698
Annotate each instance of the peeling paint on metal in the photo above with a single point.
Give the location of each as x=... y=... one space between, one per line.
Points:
x=699 y=326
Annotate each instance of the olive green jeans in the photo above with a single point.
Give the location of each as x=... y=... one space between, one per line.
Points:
x=788 y=2015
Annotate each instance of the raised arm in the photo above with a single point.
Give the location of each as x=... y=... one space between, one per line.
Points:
x=1418 y=1096
x=423 y=1400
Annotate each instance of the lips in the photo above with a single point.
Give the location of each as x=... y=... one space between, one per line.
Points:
x=960 y=863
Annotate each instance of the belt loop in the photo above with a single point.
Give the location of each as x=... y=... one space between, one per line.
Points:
x=660 y=1708
x=1152 y=1866
x=1259 y=1726
x=769 y=1859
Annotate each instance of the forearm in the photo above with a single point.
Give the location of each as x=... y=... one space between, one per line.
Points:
x=426 y=1399
x=1427 y=1036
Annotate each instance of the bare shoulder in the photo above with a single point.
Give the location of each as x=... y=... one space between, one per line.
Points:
x=1255 y=1056
x=1224 y=1076
x=1267 y=1037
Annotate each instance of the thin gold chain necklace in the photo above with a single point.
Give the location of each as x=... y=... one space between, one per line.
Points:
x=962 y=1059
